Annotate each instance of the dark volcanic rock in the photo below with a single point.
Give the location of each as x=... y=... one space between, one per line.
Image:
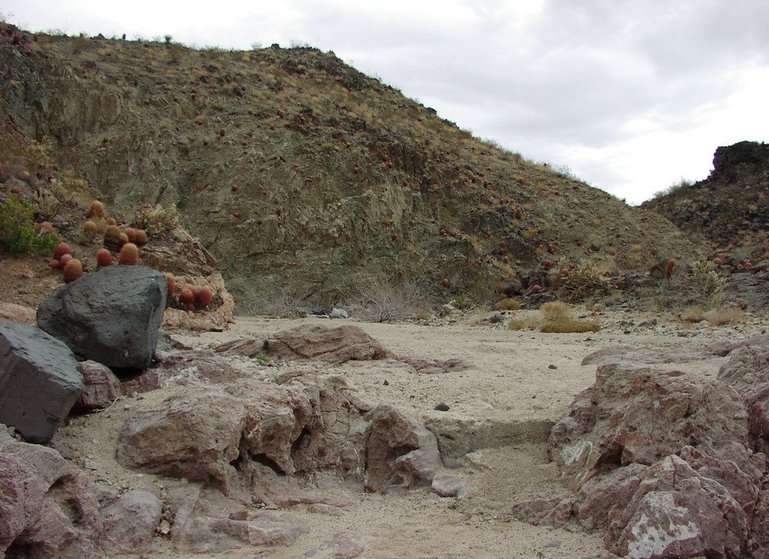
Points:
x=39 y=381
x=111 y=315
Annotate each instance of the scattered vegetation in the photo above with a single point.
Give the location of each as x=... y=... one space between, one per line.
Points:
x=585 y=281
x=157 y=220
x=509 y=304
x=386 y=302
x=682 y=184
x=728 y=315
x=18 y=231
x=556 y=319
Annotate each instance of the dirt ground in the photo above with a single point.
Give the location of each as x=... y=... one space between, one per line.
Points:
x=500 y=409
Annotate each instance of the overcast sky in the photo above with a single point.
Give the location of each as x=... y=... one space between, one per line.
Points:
x=630 y=96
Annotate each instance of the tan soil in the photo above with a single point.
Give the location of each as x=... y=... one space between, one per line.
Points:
x=510 y=391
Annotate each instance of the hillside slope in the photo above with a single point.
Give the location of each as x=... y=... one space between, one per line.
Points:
x=305 y=178
x=730 y=208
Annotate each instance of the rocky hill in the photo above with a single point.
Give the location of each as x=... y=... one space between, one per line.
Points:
x=730 y=208
x=307 y=180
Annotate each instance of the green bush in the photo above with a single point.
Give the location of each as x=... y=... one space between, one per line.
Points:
x=18 y=230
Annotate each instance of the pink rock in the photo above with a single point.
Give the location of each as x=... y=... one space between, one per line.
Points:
x=399 y=451
x=100 y=387
x=47 y=508
x=675 y=512
x=642 y=415
x=130 y=522
x=195 y=433
x=334 y=345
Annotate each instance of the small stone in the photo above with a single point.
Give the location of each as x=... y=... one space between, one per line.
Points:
x=551 y=366
x=385 y=383
x=443 y=406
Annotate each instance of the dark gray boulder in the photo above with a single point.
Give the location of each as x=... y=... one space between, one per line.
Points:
x=39 y=381
x=111 y=316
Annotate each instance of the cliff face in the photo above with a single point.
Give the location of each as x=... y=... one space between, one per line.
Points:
x=731 y=207
x=303 y=176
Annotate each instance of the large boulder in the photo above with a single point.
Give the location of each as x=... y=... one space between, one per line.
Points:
x=642 y=415
x=39 y=381
x=111 y=315
x=665 y=463
x=47 y=507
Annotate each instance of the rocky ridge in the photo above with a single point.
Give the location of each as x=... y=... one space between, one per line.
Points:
x=307 y=180
x=729 y=207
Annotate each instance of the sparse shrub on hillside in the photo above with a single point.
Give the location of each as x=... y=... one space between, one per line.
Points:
x=66 y=191
x=568 y=326
x=157 y=220
x=585 y=281
x=18 y=230
x=673 y=188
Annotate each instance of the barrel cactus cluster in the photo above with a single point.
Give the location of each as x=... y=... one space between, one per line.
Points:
x=120 y=244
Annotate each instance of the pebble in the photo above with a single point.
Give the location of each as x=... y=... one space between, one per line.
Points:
x=443 y=406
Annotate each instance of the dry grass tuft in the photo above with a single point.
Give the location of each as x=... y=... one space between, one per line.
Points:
x=555 y=310
x=729 y=315
x=509 y=304
x=568 y=326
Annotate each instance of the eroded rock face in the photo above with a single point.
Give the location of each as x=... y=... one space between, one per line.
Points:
x=334 y=345
x=39 y=381
x=194 y=433
x=47 y=507
x=399 y=451
x=642 y=415
x=234 y=433
x=111 y=315
x=676 y=512
x=130 y=522
x=666 y=464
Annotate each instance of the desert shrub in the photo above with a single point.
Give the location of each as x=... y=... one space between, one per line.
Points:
x=555 y=310
x=386 y=302
x=509 y=304
x=728 y=315
x=18 y=230
x=278 y=301
x=585 y=281
x=707 y=286
x=157 y=220
x=462 y=301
